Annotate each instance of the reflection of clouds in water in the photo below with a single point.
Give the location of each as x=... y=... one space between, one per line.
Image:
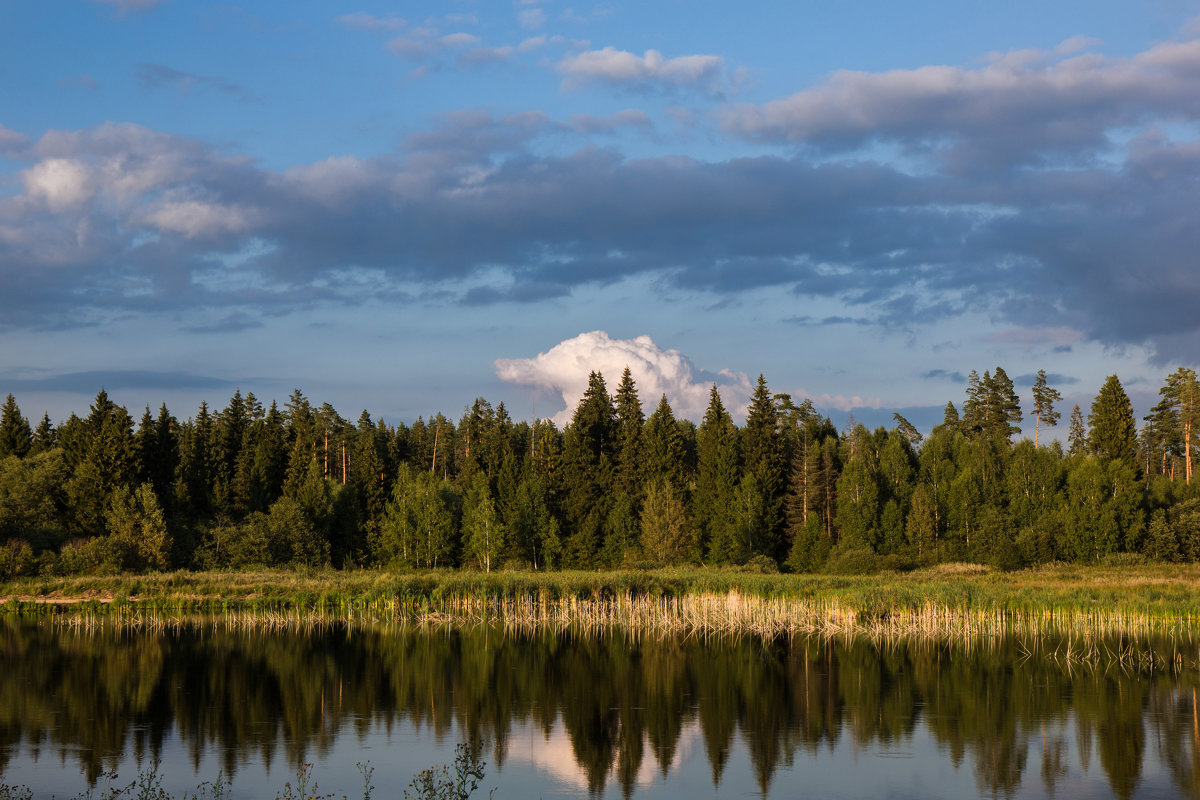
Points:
x=553 y=755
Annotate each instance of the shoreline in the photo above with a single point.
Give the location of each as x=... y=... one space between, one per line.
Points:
x=958 y=598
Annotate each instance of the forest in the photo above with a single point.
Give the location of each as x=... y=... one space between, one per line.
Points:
x=253 y=485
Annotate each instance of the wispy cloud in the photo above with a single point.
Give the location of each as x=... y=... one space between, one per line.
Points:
x=159 y=76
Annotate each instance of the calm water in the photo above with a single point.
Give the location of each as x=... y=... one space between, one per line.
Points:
x=570 y=715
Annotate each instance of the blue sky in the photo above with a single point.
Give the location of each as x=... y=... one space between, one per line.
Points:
x=400 y=207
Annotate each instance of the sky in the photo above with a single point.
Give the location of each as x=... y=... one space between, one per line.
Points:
x=400 y=207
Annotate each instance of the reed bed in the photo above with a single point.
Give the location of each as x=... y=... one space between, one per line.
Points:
x=952 y=600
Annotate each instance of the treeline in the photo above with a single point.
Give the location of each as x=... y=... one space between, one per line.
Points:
x=254 y=485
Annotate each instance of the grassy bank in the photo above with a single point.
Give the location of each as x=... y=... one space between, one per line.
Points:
x=695 y=599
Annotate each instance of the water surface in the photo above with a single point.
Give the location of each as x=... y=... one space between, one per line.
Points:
x=569 y=714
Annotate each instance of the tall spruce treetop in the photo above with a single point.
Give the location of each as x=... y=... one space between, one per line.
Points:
x=662 y=452
x=1044 y=399
x=1076 y=433
x=1113 y=434
x=16 y=438
x=950 y=417
x=629 y=424
x=45 y=436
x=594 y=422
x=762 y=456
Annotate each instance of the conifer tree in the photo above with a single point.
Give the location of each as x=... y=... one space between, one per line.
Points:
x=1112 y=432
x=762 y=455
x=667 y=535
x=1162 y=435
x=630 y=421
x=662 y=452
x=950 y=417
x=589 y=448
x=1044 y=399
x=1181 y=395
x=907 y=430
x=1076 y=433
x=45 y=437
x=16 y=438
x=194 y=482
x=107 y=461
x=1003 y=406
x=717 y=477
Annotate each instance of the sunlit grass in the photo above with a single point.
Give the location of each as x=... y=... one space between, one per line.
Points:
x=962 y=596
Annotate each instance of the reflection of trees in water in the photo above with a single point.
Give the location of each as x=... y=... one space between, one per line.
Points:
x=623 y=701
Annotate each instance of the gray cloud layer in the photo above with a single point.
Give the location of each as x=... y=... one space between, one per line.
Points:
x=1047 y=193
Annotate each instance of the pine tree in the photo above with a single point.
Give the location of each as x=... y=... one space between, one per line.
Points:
x=1044 y=399
x=1113 y=434
x=1162 y=436
x=975 y=406
x=16 y=438
x=1003 y=406
x=907 y=430
x=1181 y=394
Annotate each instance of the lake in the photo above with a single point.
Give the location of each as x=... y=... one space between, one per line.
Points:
x=562 y=713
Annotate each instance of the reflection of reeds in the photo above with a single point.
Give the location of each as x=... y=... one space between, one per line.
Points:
x=1089 y=643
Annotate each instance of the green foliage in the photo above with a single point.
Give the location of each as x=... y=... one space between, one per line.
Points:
x=1112 y=434
x=16 y=438
x=439 y=783
x=137 y=529
x=483 y=532
x=667 y=533
x=418 y=523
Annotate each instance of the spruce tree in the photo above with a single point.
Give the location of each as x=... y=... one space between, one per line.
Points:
x=717 y=477
x=16 y=438
x=45 y=437
x=762 y=455
x=589 y=447
x=1076 y=433
x=662 y=452
x=950 y=417
x=107 y=462
x=630 y=421
x=1112 y=431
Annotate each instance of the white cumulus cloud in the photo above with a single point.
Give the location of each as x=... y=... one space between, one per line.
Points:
x=621 y=67
x=59 y=182
x=564 y=369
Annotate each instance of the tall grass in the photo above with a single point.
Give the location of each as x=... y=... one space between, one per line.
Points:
x=961 y=598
